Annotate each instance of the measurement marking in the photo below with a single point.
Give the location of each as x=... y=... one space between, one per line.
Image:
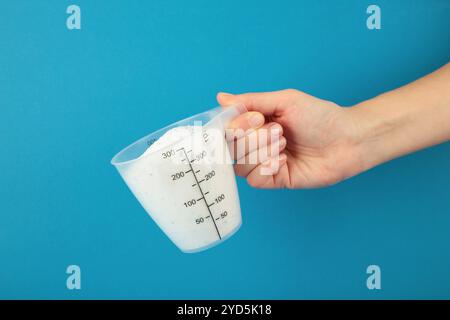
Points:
x=187 y=171
x=183 y=159
x=189 y=151
x=203 y=196
x=206 y=193
x=197 y=171
x=181 y=149
x=217 y=218
x=210 y=205
x=192 y=160
x=194 y=184
x=199 y=199
x=207 y=217
x=201 y=181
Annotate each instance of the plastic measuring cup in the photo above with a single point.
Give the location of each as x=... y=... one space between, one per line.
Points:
x=188 y=187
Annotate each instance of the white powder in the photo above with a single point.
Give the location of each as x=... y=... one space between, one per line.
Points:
x=193 y=200
x=172 y=136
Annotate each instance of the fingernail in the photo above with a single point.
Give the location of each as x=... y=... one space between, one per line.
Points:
x=256 y=120
x=277 y=129
x=225 y=94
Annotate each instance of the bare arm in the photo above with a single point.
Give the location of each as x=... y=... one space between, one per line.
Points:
x=404 y=120
x=323 y=143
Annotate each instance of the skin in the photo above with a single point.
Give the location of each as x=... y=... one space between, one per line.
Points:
x=322 y=143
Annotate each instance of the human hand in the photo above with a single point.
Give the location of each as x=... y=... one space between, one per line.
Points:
x=318 y=143
x=322 y=143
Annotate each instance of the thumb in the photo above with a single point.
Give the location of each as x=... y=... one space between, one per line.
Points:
x=267 y=103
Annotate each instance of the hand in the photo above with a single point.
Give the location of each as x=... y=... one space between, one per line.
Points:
x=318 y=146
x=322 y=143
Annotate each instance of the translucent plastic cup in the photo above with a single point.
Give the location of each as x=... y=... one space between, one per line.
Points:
x=188 y=187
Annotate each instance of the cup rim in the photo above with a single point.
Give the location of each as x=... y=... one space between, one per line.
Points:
x=215 y=111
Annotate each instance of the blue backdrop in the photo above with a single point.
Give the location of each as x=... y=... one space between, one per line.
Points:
x=70 y=99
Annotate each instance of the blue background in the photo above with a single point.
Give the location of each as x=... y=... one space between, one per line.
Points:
x=69 y=100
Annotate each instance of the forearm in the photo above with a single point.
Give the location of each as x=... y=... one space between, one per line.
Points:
x=404 y=120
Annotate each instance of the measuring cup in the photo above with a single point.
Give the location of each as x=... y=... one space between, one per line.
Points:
x=188 y=187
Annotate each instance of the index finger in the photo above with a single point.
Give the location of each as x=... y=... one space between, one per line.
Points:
x=267 y=103
x=248 y=120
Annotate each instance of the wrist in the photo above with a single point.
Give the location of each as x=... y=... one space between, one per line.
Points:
x=374 y=133
x=401 y=121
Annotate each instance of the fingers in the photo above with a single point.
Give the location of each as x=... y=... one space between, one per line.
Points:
x=255 y=158
x=247 y=121
x=269 y=174
x=256 y=139
x=264 y=163
x=268 y=103
x=257 y=146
